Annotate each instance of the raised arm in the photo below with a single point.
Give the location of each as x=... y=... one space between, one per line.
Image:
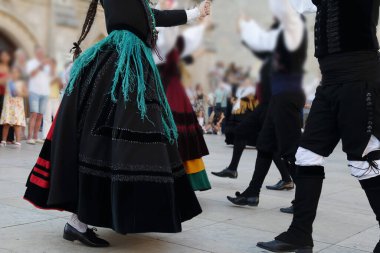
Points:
x=303 y=6
x=292 y=24
x=256 y=38
x=168 y=18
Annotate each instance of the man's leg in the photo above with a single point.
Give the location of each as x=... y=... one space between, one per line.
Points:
x=251 y=195
x=43 y=104
x=366 y=170
x=32 y=123
x=266 y=145
x=318 y=141
x=37 y=126
x=247 y=129
x=34 y=108
x=286 y=182
x=47 y=118
x=309 y=186
x=231 y=170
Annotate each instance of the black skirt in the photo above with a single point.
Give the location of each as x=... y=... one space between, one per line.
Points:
x=105 y=163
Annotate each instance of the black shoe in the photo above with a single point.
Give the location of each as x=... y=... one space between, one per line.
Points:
x=377 y=249
x=226 y=173
x=243 y=201
x=278 y=246
x=89 y=238
x=281 y=185
x=289 y=210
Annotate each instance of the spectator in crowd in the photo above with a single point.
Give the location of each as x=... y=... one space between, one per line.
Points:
x=54 y=99
x=5 y=63
x=199 y=103
x=20 y=63
x=13 y=113
x=210 y=103
x=38 y=70
x=216 y=75
x=221 y=97
x=215 y=121
x=5 y=60
x=201 y=119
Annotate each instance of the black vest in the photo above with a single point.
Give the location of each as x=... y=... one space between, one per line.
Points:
x=345 y=26
x=289 y=62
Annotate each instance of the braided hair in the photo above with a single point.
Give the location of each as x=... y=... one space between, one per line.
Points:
x=89 y=21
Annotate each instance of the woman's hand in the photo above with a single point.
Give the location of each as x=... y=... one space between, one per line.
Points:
x=205 y=8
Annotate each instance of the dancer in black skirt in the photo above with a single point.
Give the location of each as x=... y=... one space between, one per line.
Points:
x=281 y=130
x=247 y=132
x=346 y=107
x=111 y=157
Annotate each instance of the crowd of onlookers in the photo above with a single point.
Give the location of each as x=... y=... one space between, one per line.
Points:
x=30 y=94
x=31 y=90
x=228 y=86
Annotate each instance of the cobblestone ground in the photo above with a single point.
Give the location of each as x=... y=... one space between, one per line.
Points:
x=344 y=224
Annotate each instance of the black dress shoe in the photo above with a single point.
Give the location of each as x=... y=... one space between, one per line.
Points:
x=89 y=238
x=278 y=246
x=226 y=173
x=243 y=201
x=377 y=249
x=281 y=185
x=289 y=210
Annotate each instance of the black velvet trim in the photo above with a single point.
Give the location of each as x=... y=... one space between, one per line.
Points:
x=373 y=156
x=310 y=171
x=38 y=197
x=124 y=172
x=46 y=150
x=41 y=176
x=264 y=154
x=127 y=135
x=42 y=168
x=370 y=183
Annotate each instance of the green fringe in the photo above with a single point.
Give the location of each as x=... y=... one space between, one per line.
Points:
x=130 y=71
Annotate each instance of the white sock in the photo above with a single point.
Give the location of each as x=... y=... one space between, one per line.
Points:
x=77 y=224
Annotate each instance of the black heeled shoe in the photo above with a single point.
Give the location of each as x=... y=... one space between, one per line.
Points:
x=288 y=210
x=243 y=201
x=89 y=238
x=278 y=246
x=281 y=185
x=226 y=173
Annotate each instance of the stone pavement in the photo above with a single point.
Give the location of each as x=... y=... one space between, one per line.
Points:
x=344 y=223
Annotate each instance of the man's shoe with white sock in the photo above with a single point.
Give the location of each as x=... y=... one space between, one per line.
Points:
x=88 y=238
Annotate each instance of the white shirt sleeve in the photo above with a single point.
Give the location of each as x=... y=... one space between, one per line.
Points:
x=193 y=37
x=31 y=66
x=192 y=15
x=257 y=38
x=167 y=38
x=293 y=27
x=303 y=6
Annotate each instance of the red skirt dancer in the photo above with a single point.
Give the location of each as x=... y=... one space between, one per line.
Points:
x=191 y=144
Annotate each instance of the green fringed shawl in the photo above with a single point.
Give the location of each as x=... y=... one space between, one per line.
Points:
x=130 y=71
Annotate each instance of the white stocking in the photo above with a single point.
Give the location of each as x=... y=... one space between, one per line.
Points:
x=77 y=224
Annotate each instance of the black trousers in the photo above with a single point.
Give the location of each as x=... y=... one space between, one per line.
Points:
x=281 y=130
x=346 y=105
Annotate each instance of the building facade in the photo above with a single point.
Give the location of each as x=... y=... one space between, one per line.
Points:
x=56 y=24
